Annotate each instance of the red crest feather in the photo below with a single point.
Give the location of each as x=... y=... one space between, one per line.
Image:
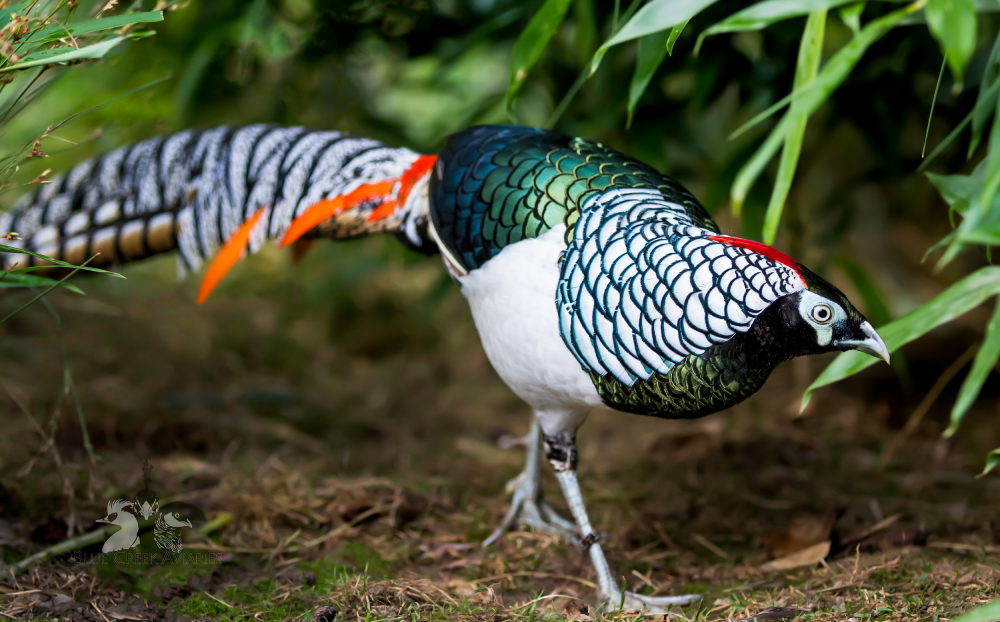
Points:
x=761 y=249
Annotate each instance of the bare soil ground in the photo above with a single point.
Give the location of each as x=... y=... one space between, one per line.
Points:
x=338 y=428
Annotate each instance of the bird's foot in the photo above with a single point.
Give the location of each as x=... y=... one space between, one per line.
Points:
x=530 y=509
x=647 y=604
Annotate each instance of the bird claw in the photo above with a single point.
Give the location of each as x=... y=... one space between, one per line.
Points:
x=534 y=513
x=646 y=604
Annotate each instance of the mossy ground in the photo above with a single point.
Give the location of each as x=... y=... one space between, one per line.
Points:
x=344 y=418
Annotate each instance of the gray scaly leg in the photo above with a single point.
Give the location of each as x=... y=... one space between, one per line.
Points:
x=528 y=507
x=561 y=452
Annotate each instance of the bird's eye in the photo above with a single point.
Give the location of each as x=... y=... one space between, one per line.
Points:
x=113 y=516
x=822 y=313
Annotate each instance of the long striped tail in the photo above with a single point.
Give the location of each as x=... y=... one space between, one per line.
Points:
x=220 y=193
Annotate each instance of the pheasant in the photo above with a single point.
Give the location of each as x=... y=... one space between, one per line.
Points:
x=594 y=280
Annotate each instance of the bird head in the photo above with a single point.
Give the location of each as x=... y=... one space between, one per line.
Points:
x=175 y=520
x=117 y=514
x=824 y=320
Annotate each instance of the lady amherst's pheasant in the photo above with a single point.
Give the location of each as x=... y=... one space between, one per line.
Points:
x=594 y=280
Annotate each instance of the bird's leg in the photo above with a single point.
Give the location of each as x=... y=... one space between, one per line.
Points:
x=560 y=449
x=528 y=506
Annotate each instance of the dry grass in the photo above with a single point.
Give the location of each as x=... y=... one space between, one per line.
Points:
x=343 y=450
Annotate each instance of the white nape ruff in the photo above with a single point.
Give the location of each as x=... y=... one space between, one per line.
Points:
x=512 y=297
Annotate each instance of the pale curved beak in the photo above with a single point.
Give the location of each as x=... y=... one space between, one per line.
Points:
x=871 y=344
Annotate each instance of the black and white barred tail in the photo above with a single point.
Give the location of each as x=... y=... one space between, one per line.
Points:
x=192 y=190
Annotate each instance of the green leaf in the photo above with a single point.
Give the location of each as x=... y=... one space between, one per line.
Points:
x=28 y=280
x=657 y=15
x=980 y=105
x=990 y=75
x=7 y=12
x=992 y=460
x=985 y=359
x=763 y=14
x=958 y=191
x=62 y=264
x=532 y=41
x=810 y=51
x=675 y=34
x=652 y=50
x=53 y=33
x=991 y=178
x=986 y=613
x=851 y=16
x=811 y=97
x=953 y=24
x=96 y=50
x=964 y=295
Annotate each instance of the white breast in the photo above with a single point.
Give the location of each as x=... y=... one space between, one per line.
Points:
x=512 y=297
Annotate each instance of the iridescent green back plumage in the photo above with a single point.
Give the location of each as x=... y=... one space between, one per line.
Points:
x=498 y=185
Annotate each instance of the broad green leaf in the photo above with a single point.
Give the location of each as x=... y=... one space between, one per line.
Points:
x=53 y=33
x=652 y=50
x=851 y=16
x=675 y=34
x=811 y=97
x=62 y=264
x=953 y=24
x=7 y=12
x=655 y=16
x=920 y=17
x=810 y=51
x=96 y=50
x=992 y=460
x=46 y=54
x=985 y=359
x=964 y=295
x=763 y=14
x=958 y=191
x=986 y=613
x=29 y=280
x=532 y=41
x=990 y=75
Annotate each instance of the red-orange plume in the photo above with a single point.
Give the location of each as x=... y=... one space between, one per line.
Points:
x=227 y=256
x=327 y=208
x=420 y=167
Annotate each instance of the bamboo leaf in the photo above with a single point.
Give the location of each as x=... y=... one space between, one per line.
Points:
x=811 y=97
x=675 y=34
x=964 y=295
x=532 y=42
x=655 y=16
x=810 y=51
x=990 y=612
x=991 y=179
x=53 y=33
x=851 y=16
x=652 y=49
x=990 y=75
x=96 y=50
x=953 y=24
x=763 y=14
x=985 y=359
x=992 y=460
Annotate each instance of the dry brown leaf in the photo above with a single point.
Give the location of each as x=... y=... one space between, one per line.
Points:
x=577 y=612
x=805 y=532
x=806 y=557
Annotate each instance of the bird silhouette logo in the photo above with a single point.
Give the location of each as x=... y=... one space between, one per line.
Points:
x=144 y=511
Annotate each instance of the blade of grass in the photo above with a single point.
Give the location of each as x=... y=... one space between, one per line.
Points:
x=96 y=50
x=41 y=295
x=986 y=358
x=53 y=33
x=810 y=52
x=990 y=75
x=12 y=279
x=55 y=262
x=651 y=51
x=930 y=116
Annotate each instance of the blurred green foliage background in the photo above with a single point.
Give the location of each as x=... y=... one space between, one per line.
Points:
x=410 y=72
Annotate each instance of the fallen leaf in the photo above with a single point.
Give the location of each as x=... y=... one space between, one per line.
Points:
x=577 y=612
x=805 y=532
x=806 y=557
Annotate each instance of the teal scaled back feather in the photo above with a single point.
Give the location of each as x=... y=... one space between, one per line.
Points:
x=496 y=185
